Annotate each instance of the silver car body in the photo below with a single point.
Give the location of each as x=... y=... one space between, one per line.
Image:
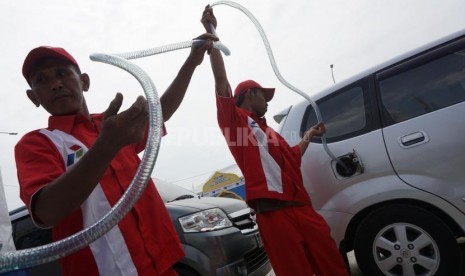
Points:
x=416 y=160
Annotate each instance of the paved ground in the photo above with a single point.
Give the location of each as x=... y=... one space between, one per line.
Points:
x=353 y=266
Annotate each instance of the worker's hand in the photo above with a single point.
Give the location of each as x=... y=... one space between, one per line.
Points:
x=127 y=127
x=207 y=18
x=202 y=44
x=317 y=130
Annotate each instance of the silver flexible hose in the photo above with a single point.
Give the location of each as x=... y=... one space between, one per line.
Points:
x=171 y=47
x=14 y=260
x=276 y=71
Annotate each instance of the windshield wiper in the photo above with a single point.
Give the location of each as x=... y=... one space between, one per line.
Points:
x=182 y=197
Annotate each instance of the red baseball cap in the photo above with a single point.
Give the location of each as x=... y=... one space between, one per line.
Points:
x=248 y=84
x=41 y=52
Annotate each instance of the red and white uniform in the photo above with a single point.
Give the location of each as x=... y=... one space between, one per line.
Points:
x=296 y=238
x=270 y=166
x=143 y=243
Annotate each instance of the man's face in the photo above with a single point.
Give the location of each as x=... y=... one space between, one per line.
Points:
x=259 y=104
x=58 y=87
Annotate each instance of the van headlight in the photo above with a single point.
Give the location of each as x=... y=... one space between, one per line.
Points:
x=207 y=220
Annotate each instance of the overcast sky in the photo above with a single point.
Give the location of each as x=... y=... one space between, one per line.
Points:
x=306 y=37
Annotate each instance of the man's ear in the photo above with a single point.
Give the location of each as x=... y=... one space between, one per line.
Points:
x=250 y=94
x=85 y=81
x=31 y=95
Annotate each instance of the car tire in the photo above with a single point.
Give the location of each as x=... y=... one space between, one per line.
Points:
x=406 y=240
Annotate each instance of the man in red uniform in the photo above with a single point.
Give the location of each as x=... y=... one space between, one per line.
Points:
x=74 y=171
x=296 y=238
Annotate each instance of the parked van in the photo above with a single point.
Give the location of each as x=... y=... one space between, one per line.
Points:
x=219 y=235
x=397 y=195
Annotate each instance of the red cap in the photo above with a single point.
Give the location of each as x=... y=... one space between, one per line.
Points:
x=248 y=84
x=41 y=52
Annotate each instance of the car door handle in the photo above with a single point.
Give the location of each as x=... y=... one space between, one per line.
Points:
x=413 y=139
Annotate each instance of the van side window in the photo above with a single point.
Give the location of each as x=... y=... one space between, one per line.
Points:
x=343 y=113
x=434 y=85
x=26 y=235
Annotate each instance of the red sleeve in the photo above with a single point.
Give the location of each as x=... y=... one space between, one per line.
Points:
x=234 y=126
x=38 y=163
x=226 y=110
x=231 y=119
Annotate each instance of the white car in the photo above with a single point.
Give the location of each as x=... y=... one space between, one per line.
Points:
x=397 y=195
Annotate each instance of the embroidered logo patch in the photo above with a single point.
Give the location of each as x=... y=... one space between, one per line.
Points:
x=253 y=124
x=73 y=157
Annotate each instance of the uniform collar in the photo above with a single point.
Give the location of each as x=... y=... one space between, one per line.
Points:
x=261 y=121
x=67 y=123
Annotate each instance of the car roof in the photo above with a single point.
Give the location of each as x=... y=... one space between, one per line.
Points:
x=390 y=62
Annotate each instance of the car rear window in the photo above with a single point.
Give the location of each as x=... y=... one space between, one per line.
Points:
x=344 y=113
x=426 y=88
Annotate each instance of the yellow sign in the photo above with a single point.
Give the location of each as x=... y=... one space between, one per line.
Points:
x=218 y=180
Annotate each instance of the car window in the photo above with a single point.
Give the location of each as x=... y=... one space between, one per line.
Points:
x=424 y=89
x=343 y=112
x=26 y=235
